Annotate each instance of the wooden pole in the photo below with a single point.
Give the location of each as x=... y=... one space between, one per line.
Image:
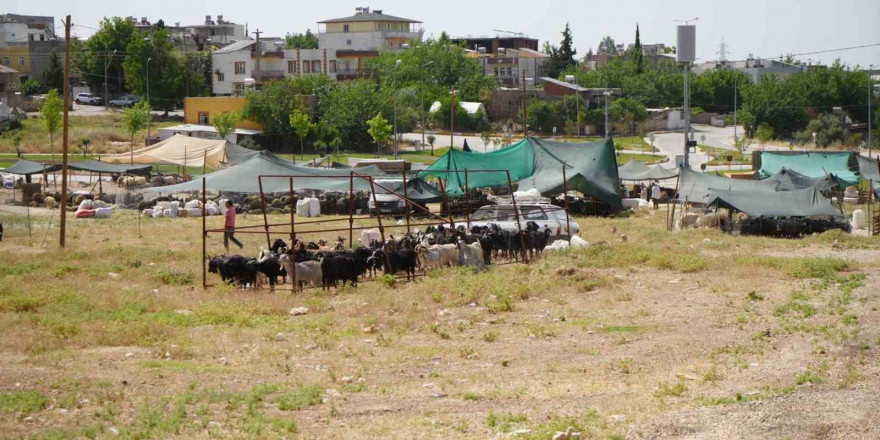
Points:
x=265 y=219
x=204 y=236
x=565 y=197
x=381 y=229
x=205 y=163
x=406 y=199
x=677 y=192
x=351 y=210
x=467 y=196
x=525 y=108
x=446 y=202
x=516 y=214
x=65 y=143
x=452 y=118
x=292 y=212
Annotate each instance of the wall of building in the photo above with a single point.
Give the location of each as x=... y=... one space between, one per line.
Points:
x=18 y=57
x=40 y=52
x=193 y=106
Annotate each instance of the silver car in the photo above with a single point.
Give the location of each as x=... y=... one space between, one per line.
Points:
x=548 y=215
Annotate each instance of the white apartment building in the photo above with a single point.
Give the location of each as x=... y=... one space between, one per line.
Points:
x=368 y=31
x=220 y=32
x=510 y=66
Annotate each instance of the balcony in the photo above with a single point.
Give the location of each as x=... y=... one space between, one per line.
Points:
x=273 y=73
x=349 y=74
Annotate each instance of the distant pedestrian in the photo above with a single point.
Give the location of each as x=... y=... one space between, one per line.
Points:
x=655 y=194
x=643 y=191
x=229 y=226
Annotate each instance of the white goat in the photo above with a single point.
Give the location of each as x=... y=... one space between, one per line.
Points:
x=470 y=254
x=306 y=271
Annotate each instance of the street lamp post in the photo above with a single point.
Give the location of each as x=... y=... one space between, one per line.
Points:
x=422 y=98
x=870 y=101
x=148 y=101
x=107 y=95
x=607 y=93
x=394 y=91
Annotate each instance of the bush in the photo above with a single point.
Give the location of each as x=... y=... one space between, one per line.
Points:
x=388 y=280
x=32 y=87
x=828 y=132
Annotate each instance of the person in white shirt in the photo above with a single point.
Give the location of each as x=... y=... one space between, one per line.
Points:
x=655 y=194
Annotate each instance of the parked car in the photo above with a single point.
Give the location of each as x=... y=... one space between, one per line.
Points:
x=125 y=101
x=544 y=214
x=389 y=204
x=88 y=99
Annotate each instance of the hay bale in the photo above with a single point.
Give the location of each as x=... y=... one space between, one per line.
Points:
x=273 y=210
x=255 y=212
x=709 y=221
x=255 y=204
x=38 y=198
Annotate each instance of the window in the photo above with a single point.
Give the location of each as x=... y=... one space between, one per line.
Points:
x=509 y=72
x=306 y=67
x=332 y=66
x=534 y=213
x=291 y=67
x=348 y=42
x=6 y=60
x=316 y=66
x=42 y=37
x=203 y=118
x=345 y=28
x=240 y=68
x=239 y=89
x=21 y=61
x=220 y=76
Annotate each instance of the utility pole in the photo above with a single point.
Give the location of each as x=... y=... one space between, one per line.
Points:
x=257 y=74
x=422 y=99
x=735 y=138
x=687 y=116
x=65 y=144
x=106 y=94
x=452 y=118
x=394 y=91
x=606 y=93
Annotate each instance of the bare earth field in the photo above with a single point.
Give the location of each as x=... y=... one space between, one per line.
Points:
x=690 y=335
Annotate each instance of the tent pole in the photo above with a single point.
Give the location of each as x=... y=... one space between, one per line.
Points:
x=406 y=197
x=565 y=197
x=522 y=238
x=467 y=195
x=677 y=193
x=351 y=209
x=265 y=219
x=446 y=202
x=204 y=162
x=381 y=229
x=204 y=238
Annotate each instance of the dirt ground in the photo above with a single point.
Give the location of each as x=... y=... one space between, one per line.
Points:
x=689 y=335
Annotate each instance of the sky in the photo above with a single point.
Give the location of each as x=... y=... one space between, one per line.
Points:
x=764 y=28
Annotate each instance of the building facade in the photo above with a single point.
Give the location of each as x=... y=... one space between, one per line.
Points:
x=368 y=30
x=754 y=67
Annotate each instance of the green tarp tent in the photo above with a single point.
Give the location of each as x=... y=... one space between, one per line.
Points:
x=694 y=186
x=26 y=168
x=789 y=180
x=242 y=178
x=109 y=168
x=800 y=203
x=870 y=170
x=591 y=168
x=811 y=164
x=635 y=170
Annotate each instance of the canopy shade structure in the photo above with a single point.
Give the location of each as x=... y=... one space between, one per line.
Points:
x=417 y=189
x=26 y=168
x=243 y=178
x=108 y=168
x=811 y=164
x=185 y=150
x=800 y=203
x=870 y=170
x=694 y=186
x=635 y=170
x=789 y=180
x=591 y=168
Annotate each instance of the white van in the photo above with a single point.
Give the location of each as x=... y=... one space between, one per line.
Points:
x=548 y=215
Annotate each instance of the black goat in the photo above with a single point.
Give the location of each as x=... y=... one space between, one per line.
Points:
x=278 y=246
x=234 y=268
x=401 y=259
x=337 y=267
x=269 y=265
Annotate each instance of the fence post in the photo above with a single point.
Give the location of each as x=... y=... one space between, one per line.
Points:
x=406 y=199
x=351 y=209
x=516 y=214
x=565 y=197
x=204 y=236
x=467 y=192
x=292 y=212
x=265 y=218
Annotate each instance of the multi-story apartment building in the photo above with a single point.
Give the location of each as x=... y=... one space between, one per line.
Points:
x=219 y=33
x=26 y=42
x=343 y=46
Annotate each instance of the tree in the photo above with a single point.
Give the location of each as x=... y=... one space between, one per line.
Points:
x=90 y=58
x=379 y=130
x=828 y=132
x=225 y=123
x=84 y=146
x=773 y=101
x=607 y=46
x=764 y=134
x=154 y=58
x=637 y=54
x=16 y=138
x=431 y=139
x=273 y=106
x=348 y=105
x=302 y=123
x=51 y=112
x=562 y=57
x=308 y=40
x=31 y=87
x=134 y=119
x=628 y=110
x=53 y=74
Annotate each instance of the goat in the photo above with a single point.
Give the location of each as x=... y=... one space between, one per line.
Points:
x=234 y=268
x=430 y=257
x=304 y=272
x=278 y=246
x=402 y=259
x=336 y=267
x=269 y=265
x=470 y=254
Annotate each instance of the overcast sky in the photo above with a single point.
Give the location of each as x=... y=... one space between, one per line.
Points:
x=765 y=28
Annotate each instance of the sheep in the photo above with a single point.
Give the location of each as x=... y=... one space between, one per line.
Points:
x=50 y=202
x=304 y=272
x=470 y=254
x=708 y=221
x=170 y=180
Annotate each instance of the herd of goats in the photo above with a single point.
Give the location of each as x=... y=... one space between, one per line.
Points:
x=326 y=266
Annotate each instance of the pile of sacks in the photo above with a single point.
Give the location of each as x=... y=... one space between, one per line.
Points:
x=308 y=207
x=192 y=208
x=93 y=208
x=851 y=195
